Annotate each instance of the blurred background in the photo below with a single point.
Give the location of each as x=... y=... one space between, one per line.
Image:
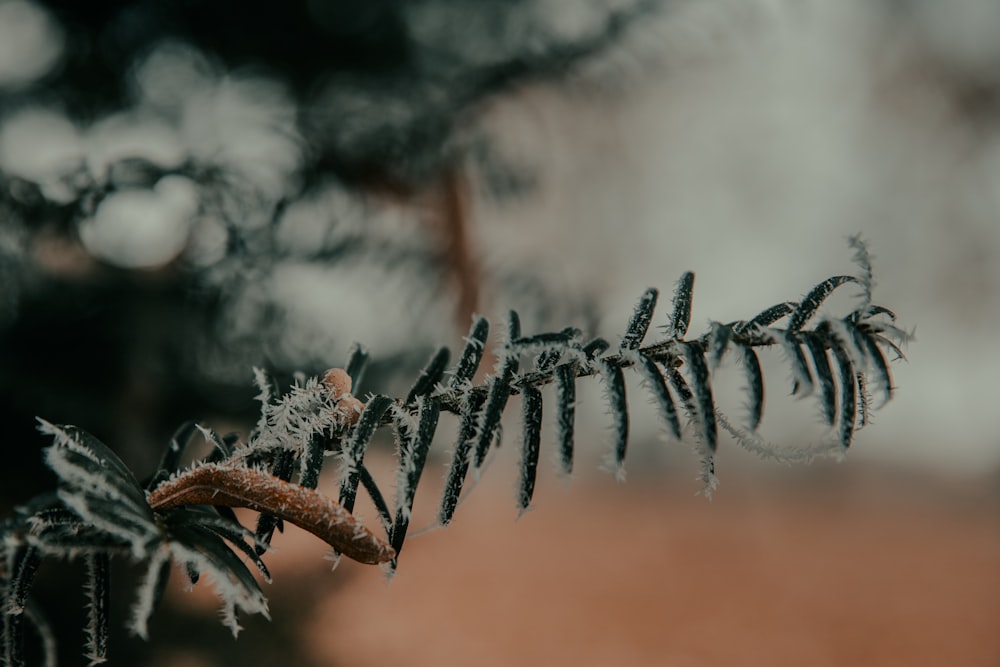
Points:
x=188 y=190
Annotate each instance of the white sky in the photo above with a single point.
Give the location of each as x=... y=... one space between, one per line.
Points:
x=752 y=163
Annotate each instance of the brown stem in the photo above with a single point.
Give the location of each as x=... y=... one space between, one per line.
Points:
x=262 y=492
x=456 y=209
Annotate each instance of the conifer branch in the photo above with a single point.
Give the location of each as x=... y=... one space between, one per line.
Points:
x=100 y=510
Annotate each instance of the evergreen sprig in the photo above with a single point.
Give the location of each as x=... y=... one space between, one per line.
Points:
x=100 y=511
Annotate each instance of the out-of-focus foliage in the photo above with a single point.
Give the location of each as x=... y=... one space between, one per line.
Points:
x=188 y=189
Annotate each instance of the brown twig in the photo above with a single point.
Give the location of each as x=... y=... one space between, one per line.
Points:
x=308 y=509
x=456 y=209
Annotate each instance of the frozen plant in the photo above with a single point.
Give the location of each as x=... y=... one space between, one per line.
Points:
x=100 y=511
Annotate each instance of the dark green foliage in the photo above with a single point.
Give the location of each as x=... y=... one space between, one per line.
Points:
x=595 y=348
x=498 y=393
x=378 y=499
x=312 y=461
x=641 y=318
x=171 y=460
x=21 y=562
x=98 y=590
x=802 y=384
x=531 y=417
x=415 y=445
x=827 y=386
x=879 y=365
x=811 y=303
x=683 y=391
x=489 y=418
x=565 y=379
x=614 y=388
x=354 y=451
x=664 y=401
x=848 y=395
x=220 y=448
x=234 y=533
x=768 y=316
x=472 y=404
x=282 y=467
x=100 y=511
x=93 y=467
x=472 y=355
x=357 y=363
x=547 y=359
x=755 y=387
x=681 y=318
x=718 y=343
x=412 y=457
x=695 y=356
x=430 y=376
x=151 y=590
x=22 y=567
x=218 y=557
x=545 y=343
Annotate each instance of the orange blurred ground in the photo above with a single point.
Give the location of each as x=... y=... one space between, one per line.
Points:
x=826 y=565
x=841 y=565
